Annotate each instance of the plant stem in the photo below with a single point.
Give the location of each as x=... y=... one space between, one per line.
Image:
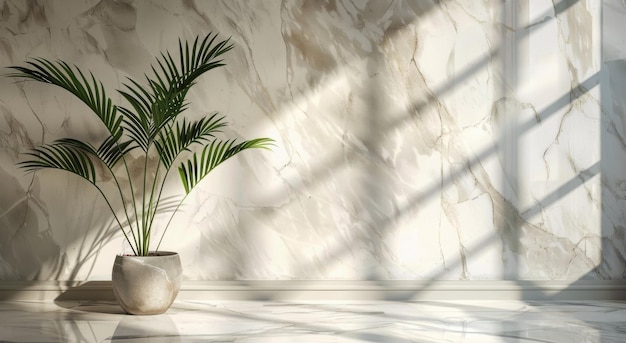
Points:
x=144 y=211
x=158 y=200
x=115 y=216
x=132 y=192
x=119 y=188
x=170 y=220
x=152 y=210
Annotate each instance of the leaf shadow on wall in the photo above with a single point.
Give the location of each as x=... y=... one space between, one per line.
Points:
x=31 y=252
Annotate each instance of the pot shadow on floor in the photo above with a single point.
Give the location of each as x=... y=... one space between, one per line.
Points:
x=81 y=298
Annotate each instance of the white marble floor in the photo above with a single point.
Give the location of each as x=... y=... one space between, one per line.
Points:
x=204 y=321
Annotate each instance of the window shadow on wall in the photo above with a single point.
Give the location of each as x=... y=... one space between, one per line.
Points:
x=510 y=219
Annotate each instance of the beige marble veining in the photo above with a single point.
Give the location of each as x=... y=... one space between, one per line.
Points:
x=455 y=140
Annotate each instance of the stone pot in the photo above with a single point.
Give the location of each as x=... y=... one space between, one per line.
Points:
x=146 y=284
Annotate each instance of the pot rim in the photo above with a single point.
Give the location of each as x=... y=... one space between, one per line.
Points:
x=152 y=254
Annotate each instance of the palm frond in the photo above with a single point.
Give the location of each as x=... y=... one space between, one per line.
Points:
x=111 y=151
x=154 y=109
x=157 y=105
x=134 y=128
x=172 y=141
x=193 y=61
x=138 y=123
x=197 y=62
x=167 y=105
x=91 y=92
x=213 y=155
x=63 y=155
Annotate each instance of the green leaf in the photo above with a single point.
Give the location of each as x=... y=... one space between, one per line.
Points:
x=157 y=105
x=68 y=155
x=112 y=151
x=213 y=155
x=92 y=92
x=173 y=140
x=134 y=128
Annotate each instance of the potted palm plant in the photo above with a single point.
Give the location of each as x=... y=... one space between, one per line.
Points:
x=150 y=125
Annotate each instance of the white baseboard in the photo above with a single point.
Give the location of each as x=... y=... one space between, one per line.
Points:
x=335 y=290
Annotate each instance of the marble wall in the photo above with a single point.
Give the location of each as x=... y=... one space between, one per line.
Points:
x=416 y=140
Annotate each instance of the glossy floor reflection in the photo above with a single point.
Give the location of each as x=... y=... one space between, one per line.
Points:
x=200 y=321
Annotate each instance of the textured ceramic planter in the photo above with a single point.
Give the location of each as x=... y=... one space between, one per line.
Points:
x=146 y=284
